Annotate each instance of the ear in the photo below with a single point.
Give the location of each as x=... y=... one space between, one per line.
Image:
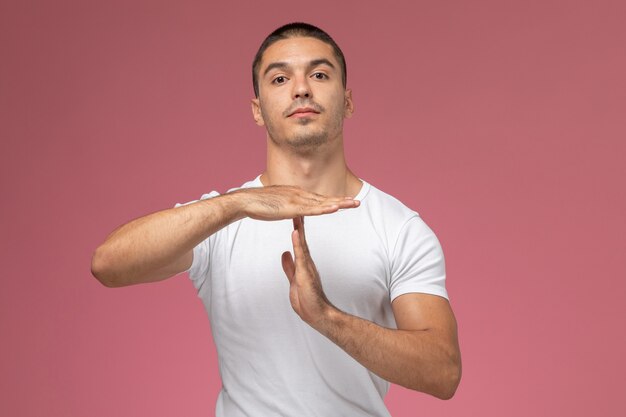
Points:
x=256 y=112
x=349 y=104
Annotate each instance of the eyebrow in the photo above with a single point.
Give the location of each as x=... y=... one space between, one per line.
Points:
x=313 y=63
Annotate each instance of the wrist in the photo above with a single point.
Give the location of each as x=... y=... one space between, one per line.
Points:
x=330 y=319
x=233 y=205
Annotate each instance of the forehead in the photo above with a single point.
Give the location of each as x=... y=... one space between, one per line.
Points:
x=298 y=50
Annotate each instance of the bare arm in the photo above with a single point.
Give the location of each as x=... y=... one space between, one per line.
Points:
x=422 y=354
x=160 y=245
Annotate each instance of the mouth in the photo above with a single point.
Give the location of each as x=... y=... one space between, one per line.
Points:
x=303 y=112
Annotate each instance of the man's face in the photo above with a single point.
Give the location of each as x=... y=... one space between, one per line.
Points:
x=302 y=101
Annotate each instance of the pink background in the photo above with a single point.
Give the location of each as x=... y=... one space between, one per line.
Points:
x=502 y=123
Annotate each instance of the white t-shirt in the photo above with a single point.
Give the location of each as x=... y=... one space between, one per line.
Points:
x=271 y=362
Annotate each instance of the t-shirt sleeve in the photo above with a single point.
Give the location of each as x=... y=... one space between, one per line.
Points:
x=199 y=268
x=417 y=263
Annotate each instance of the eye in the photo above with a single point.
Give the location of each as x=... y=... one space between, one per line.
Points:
x=279 y=80
x=320 y=75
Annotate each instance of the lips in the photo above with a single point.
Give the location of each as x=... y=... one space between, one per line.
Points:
x=303 y=111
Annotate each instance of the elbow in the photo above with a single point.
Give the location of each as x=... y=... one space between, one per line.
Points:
x=100 y=268
x=443 y=384
x=448 y=391
x=450 y=381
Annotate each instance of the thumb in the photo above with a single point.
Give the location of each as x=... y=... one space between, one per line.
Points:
x=288 y=265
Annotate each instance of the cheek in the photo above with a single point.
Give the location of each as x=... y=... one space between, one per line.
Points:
x=338 y=105
x=338 y=98
x=267 y=113
x=271 y=109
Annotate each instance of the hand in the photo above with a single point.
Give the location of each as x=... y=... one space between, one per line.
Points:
x=280 y=202
x=305 y=287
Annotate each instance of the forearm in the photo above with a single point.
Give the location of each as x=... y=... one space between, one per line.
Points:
x=153 y=247
x=421 y=360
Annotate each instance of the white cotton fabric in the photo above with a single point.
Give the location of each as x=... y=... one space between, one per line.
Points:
x=271 y=362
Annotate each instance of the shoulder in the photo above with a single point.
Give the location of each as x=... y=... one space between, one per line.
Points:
x=391 y=218
x=387 y=207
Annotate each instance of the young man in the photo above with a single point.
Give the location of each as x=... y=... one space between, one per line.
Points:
x=364 y=299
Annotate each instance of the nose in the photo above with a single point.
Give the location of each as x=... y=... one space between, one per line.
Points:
x=301 y=88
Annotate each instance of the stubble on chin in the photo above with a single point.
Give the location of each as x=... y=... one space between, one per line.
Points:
x=308 y=141
x=307 y=136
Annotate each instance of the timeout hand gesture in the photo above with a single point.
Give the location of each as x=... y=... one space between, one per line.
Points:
x=305 y=287
x=280 y=202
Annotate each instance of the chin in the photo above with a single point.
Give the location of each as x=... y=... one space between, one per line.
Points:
x=307 y=143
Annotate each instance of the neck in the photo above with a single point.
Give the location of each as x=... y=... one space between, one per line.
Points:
x=322 y=170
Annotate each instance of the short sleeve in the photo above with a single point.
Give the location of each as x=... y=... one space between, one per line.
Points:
x=199 y=268
x=417 y=263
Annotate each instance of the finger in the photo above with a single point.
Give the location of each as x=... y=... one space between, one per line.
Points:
x=326 y=205
x=298 y=224
x=316 y=199
x=319 y=210
x=348 y=202
x=322 y=197
x=334 y=205
x=288 y=265
x=304 y=244
x=341 y=201
x=298 y=250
